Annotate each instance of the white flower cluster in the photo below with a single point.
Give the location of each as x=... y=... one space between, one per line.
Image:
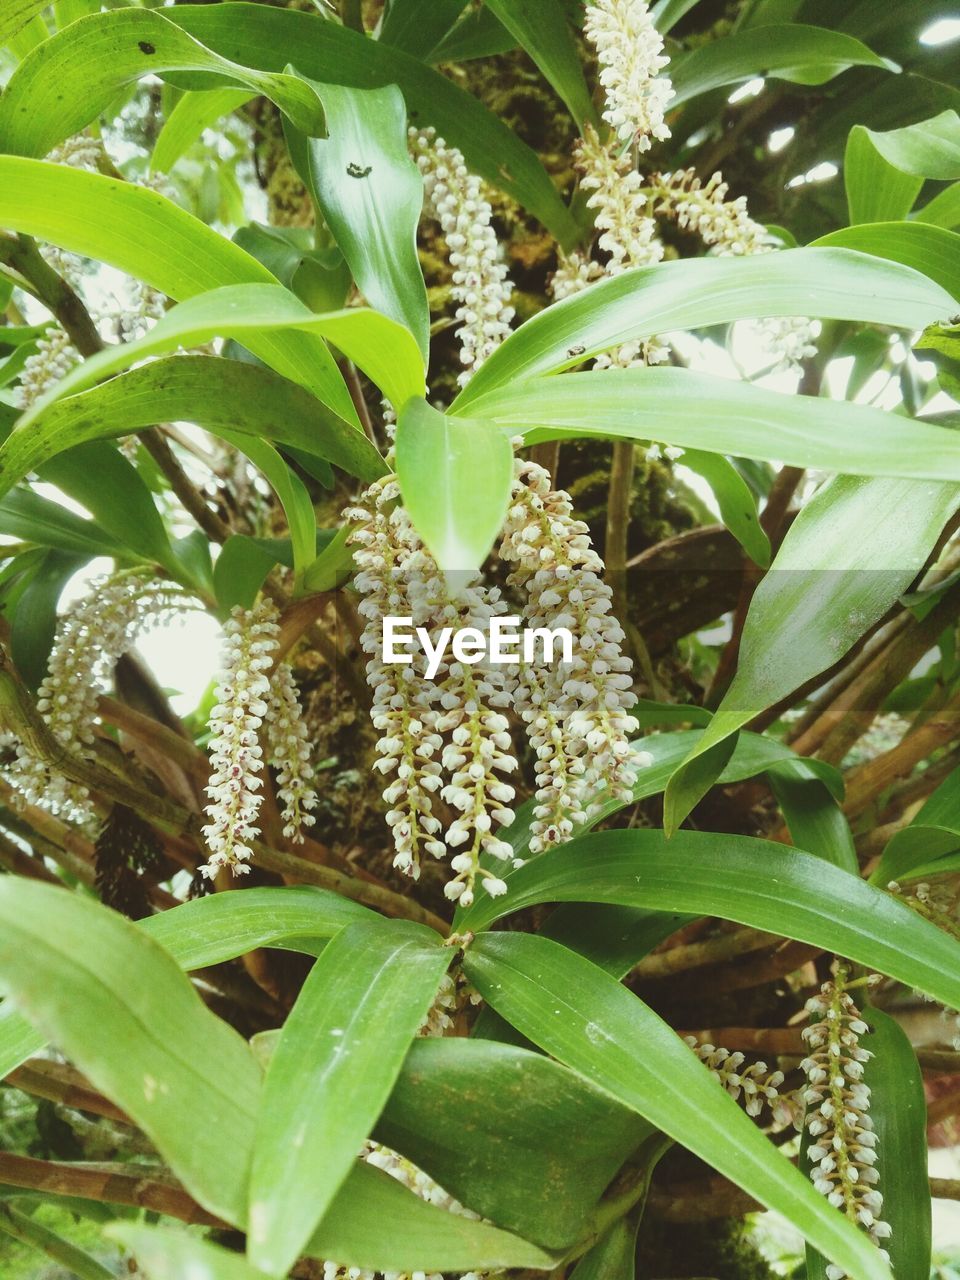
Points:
x=627 y=233
x=91 y=636
x=481 y=285
x=247 y=700
x=706 y=211
x=578 y=716
x=727 y=226
x=288 y=751
x=843 y=1154
x=54 y=357
x=80 y=151
x=446 y=736
x=758 y=1086
x=422 y=1185
x=630 y=52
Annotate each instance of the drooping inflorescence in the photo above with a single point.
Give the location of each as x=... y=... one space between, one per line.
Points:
x=843 y=1152
x=256 y=715
x=92 y=635
x=758 y=1086
x=54 y=357
x=630 y=52
x=481 y=285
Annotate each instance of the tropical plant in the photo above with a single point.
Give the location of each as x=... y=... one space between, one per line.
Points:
x=319 y=322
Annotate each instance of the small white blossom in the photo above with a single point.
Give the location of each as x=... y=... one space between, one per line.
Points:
x=236 y=757
x=630 y=52
x=757 y=1086
x=481 y=285
x=53 y=359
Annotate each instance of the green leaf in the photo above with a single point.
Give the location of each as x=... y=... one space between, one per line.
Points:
x=583 y=1017
x=758 y=883
x=25 y=514
x=898 y=1109
x=371 y=192
x=141 y=232
x=15 y=16
x=613 y=1256
x=455 y=476
x=813 y=816
x=336 y=1061
x=943 y=210
x=876 y=190
x=218 y=394
x=382 y=348
x=165 y=1254
x=719 y=415
x=418 y=26
x=241 y=569
x=933 y=831
x=932 y=250
x=271 y=39
x=34 y=621
x=928 y=149
x=333 y=566
x=91 y=981
x=852 y=551
x=293 y=495
x=738 y=509
x=187 y=121
x=543 y=32
x=667 y=13
x=805 y=55
x=478 y=34
x=22 y=1227
x=698 y=292
x=68 y=80
x=492 y=1123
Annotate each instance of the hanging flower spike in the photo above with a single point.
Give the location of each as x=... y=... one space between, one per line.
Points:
x=235 y=753
x=757 y=1086
x=627 y=232
x=481 y=285
x=630 y=52
x=53 y=359
x=579 y=714
x=92 y=635
x=480 y=751
x=403 y=708
x=843 y=1154
x=289 y=753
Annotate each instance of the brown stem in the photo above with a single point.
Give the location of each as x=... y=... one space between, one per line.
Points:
x=21 y=253
x=352 y=379
x=547 y=455
x=192 y=500
x=619 y=498
x=736 y=942
x=61 y=1083
x=874 y=777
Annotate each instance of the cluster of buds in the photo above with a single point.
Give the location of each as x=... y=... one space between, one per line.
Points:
x=627 y=233
x=578 y=714
x=481 y=286
x=246 y=698
x=54 y=357
x=843 y=1151
x=758 y=1086
x=445 y=737
x=92 y=635
x=630 y=52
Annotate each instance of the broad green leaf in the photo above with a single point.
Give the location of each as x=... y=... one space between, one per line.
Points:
x=141 y=232
x=187 y=121
x=293 y=495
x=506 y=1151
x=241 y=570
x=68 y=80
x=852 y=551
x=455 y=476
x=33 y=623
x=382 y=348
x=166 y=1254
x=738 y=510
x=587 y=1020
x=698 y=292
x=613 y=1256
x=418 y=26
x=371 y=193
x=26 y=1229
x=932 y=250
x=758 y=883
x=877 y=191
x=928 y=149
x=813 y=816
x=667 y=13
x=376 y=1224
x=101 y=479
x=719 y=415
x=333 y=566
x=218 y=394
x=933 y=831
x=16 y=14
x=543 y=32
x=338 y=1056
x=805 y=55
x=943 y=210
x=272 y=39
x=25 y=514
x=478 y=34
x=898 y=1110
x=91 y=981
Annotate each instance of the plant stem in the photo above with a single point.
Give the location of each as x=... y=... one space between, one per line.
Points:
x=622 y=464
x=27 y=1231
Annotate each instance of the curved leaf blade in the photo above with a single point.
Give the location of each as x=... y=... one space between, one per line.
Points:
x=934 y=251
x=187 y=121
